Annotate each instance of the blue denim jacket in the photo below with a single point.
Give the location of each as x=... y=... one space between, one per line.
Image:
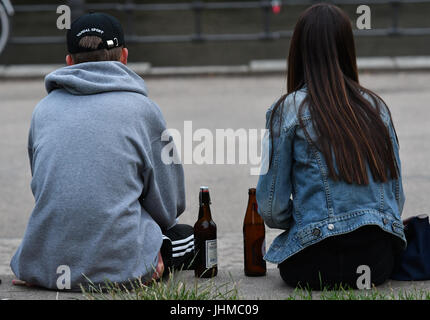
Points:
x=296 y=194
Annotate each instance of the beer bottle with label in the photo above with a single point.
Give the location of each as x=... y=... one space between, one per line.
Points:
x=254 y=242
x=205 y=240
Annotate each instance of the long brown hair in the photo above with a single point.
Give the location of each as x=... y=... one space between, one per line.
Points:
x=350 y=131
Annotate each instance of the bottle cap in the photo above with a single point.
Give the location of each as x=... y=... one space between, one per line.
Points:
x=204 y=189
x=204 y=195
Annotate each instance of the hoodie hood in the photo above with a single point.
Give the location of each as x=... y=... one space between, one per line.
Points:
x=95 y=77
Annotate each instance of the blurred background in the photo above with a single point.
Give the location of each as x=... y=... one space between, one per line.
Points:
x=215 y=32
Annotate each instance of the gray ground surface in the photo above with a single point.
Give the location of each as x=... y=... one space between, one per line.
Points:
x=212 y=103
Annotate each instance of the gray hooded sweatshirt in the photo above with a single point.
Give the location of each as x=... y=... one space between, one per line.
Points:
x=102 y=194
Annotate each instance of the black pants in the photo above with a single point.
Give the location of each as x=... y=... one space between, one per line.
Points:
x=334 y=261
x=177 y=250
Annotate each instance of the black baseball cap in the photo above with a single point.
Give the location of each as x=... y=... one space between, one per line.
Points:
x=96 y=24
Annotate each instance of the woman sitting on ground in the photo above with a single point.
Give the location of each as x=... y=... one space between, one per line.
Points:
x=334 y=180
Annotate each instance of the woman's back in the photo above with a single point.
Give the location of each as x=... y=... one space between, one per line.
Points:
x=333 y=150
x=320 y=206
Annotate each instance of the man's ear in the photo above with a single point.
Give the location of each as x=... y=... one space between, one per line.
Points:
x=69 y=60
x=124 y=55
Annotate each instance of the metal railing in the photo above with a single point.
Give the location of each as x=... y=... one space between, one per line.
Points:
x=198 y=7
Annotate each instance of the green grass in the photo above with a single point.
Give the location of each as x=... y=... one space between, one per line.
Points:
x=169 y=288
x=173 y=288
x=350 y=294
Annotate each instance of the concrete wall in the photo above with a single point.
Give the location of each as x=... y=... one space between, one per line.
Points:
x=218 y=21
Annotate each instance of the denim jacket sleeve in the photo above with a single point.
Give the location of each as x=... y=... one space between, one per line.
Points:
x=274 y=188
x=398 y=185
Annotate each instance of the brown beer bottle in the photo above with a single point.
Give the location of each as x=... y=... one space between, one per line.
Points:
x=254 y=242
x=205 y=240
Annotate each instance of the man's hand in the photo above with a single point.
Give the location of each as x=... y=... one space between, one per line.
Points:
x=160 y=268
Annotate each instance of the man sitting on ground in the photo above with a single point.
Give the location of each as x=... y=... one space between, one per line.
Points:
x=104 y=200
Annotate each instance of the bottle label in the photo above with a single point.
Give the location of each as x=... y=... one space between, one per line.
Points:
x=211 y=253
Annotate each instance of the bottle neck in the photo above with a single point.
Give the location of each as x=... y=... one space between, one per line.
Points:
x=252 y=201
x=205 y=206
x=207 y=212
x=252 y=215
x=200 y=199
